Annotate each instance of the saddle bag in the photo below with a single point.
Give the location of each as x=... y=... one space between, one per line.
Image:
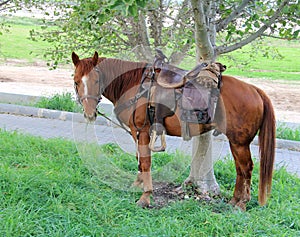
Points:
x=197 y=103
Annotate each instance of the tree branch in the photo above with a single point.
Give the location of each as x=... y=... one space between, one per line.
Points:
x=4 y=3
x=226 y=49
x=276 y=37
x=224 y=23
x=172 y=18
x=203 y=45
x=211 y=12
x=143 y=31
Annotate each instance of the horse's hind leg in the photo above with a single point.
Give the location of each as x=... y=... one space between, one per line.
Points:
x=244 y=167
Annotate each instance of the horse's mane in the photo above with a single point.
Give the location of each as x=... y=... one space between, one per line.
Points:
x=120 y=75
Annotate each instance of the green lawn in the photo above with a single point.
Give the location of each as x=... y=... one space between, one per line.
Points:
x=270 y=66
x=16 y=44
x=46 y=189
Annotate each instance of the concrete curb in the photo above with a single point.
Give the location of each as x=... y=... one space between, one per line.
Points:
x=10 y=98
x=107 y=108
x=46 y=113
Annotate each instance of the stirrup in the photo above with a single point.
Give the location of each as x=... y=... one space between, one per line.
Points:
x=153 y=138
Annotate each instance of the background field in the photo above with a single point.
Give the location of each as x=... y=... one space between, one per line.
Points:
x=16 y=43
x=280 y=62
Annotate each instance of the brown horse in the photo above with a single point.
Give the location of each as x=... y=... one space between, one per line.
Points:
x=242 y=110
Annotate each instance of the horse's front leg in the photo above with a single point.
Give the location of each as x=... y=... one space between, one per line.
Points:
x=144 y=178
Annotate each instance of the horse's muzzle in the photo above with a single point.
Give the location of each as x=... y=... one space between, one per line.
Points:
x=90 y=117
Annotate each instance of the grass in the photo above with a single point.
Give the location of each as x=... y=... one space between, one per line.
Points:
x=48 y=190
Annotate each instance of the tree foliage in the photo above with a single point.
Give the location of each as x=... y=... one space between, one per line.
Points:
x=211 y=27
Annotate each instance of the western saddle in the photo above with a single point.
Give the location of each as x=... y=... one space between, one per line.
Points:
x=195 y=92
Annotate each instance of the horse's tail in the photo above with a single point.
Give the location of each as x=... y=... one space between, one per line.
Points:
x=266 y=148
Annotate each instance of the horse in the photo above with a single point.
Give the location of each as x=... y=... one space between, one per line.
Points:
x=241 y=111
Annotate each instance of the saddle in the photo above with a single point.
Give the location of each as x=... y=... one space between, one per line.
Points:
x=173 y=77
x=195 y=92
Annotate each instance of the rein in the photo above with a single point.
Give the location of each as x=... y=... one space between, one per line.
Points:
x=113 y=122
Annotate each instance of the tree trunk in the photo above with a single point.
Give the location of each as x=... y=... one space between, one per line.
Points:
x=202 y=172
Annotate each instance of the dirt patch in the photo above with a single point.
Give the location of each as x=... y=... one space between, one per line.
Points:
x=39 y=80
x=284 y=95
x=165 y=194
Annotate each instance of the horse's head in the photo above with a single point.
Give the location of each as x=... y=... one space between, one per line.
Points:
x=87 y=84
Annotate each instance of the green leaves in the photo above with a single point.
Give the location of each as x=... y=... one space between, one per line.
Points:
x=127 y=7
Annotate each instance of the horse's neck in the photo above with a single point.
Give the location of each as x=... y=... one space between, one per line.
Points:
x=120 y=76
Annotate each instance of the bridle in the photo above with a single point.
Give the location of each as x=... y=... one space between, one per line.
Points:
x=96 y=98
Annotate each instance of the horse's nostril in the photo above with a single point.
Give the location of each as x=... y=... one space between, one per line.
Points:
x=90 y=117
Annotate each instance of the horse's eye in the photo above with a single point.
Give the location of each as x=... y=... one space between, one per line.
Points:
x=76 y=83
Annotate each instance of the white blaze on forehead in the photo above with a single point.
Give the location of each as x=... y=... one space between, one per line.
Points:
x=84 y=81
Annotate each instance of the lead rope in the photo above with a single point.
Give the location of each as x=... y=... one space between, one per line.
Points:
x=113 y=122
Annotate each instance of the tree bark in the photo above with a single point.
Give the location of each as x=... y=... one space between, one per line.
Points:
x=144 y=37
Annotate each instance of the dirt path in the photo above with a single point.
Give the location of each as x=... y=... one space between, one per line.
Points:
x=35 y=80
x=39 y=80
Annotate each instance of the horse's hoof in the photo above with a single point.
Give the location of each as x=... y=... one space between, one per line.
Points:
x=143 y=203
x=233 y=201
x=237 y=204
x=241 y=206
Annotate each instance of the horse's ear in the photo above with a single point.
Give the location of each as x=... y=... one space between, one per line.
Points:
x=75 y=59
x=95 y=58
x=222 y=67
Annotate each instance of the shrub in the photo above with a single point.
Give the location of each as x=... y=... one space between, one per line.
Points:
x=285 y=132
x=63 y=102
